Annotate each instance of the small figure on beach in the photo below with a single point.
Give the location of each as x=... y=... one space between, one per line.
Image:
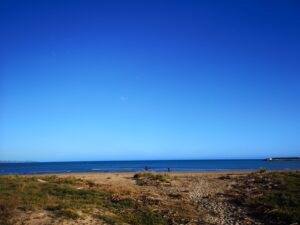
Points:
x=146 y=168
x=169 y=169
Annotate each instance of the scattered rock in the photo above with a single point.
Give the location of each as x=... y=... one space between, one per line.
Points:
x=41 y=181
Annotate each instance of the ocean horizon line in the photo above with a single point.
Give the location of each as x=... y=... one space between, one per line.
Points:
x=127 y=160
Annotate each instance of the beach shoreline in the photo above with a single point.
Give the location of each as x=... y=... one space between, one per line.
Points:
x=175 y=173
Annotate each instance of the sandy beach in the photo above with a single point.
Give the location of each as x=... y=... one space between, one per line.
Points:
x=180 y=197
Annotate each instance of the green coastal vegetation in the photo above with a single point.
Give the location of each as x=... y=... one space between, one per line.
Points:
x=152 y=178
x=63 y=198
x=270 y=197
x=279 y=203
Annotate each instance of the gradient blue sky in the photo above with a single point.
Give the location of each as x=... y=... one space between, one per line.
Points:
x=105 y=80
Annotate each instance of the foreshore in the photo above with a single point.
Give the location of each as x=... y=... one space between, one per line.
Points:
x=99 y=176
x=125 y=178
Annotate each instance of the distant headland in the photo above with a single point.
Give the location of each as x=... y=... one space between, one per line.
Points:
x=283 y=159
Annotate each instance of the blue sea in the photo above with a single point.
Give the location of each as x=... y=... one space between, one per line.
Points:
x=136 y=166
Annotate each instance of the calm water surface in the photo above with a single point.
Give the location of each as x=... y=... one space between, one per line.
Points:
x=135 y=166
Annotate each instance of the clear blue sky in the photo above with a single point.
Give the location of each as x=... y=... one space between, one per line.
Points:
x=104 y=80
